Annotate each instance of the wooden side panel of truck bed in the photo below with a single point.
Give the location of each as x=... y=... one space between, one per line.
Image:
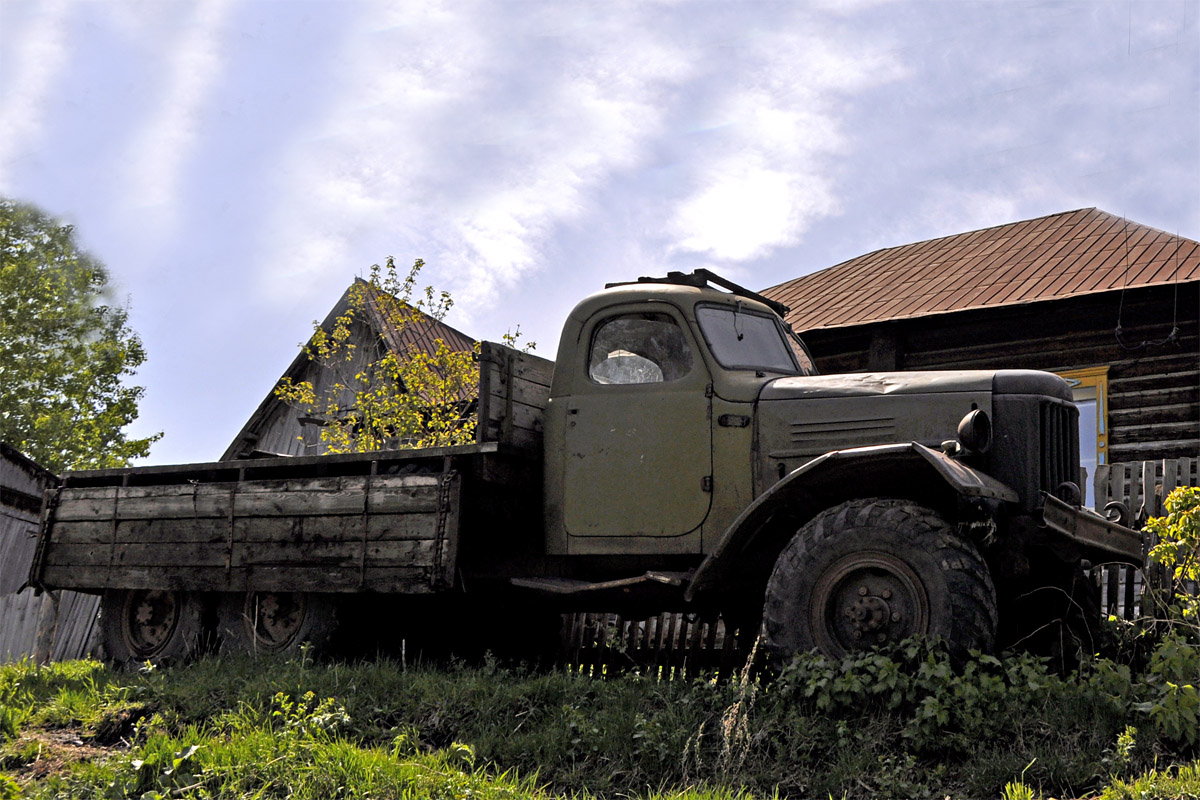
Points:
x=514 y=388
x=350 y=533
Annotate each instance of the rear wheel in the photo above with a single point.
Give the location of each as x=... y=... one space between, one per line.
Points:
x=155 y=625
x=876 y=571
x=274 y=622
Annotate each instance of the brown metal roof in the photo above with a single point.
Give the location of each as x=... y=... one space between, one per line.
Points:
x=1072 y=253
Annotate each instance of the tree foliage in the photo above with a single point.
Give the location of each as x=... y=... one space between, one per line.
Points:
x=387 y=398
x=65 y=350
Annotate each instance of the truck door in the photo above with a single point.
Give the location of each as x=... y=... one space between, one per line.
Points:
x=638 y=432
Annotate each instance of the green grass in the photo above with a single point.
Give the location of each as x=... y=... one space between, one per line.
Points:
x=901 y=724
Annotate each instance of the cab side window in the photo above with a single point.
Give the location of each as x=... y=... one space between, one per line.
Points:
x=638 y=348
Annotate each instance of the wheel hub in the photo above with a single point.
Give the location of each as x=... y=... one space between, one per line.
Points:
x=870 y=614
x=277 y=617
x=149 y=621
x=866 y=599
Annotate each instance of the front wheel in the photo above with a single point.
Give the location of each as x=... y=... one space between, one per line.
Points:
x=876 y=571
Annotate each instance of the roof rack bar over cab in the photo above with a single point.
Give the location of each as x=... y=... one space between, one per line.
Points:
x=702 y=278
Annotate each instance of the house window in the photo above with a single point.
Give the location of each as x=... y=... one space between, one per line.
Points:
x=1090 y=389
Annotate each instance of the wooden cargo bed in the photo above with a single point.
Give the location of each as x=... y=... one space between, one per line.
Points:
x=387 y=521
x=390 y=524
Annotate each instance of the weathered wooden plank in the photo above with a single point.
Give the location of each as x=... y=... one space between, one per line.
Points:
x=1100 y=487
x=524 y=418
x=215 y=531
x=525 y=365
x=402 y=553
x=1130 y=576
x=521 y=391
x=1179 y=377
x=380 y=527
x=411 y=580
x=1156 y=449
x=1182 y=417
x=1152 y=398
x=340 y=495
x=1112 y=574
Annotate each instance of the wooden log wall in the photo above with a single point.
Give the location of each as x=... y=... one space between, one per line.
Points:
x=53 y=625
x=1153 y=379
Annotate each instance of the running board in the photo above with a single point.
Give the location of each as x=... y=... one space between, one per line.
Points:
x=572 y=586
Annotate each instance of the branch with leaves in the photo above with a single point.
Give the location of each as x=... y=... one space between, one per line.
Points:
x=394 y=395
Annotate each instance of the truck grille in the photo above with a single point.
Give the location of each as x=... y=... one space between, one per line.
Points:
x=1059 y=446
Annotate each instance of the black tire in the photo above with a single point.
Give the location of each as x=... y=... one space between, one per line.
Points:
x=876 y=571
x=155 y=625
x=268 y=623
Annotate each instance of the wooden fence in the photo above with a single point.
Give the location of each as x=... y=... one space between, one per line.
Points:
x=1140 y=487
x=667 y=646
x=54 y=625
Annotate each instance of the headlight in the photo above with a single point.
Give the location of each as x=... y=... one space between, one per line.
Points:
x=975 y=432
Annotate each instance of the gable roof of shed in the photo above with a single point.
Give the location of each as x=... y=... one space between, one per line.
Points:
x=423 y=337
x=1061 y=255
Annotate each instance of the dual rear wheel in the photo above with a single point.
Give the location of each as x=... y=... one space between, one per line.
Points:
x=168 y=626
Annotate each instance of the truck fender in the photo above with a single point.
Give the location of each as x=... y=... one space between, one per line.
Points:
x=911 y=471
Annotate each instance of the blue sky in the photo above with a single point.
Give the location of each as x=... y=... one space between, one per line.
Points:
x=236 y=163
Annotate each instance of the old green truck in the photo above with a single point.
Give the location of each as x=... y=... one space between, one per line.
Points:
x=680 y=454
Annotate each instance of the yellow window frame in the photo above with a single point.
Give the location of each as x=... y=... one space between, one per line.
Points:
x=1091 y=383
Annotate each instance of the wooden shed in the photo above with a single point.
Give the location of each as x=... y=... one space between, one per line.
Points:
x=1111 y=305
x=276 y=428
x=50 y=626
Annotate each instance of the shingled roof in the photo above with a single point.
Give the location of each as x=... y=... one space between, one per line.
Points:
x=1061 y=255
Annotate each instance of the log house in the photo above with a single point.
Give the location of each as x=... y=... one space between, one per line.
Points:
x=1111 y=305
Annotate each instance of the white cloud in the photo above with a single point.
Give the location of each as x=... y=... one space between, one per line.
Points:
x=162 y=147
x=39 y=55
x=767 y=177
x=473 y=149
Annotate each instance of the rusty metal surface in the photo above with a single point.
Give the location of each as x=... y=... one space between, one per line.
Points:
x=1091 y=530
x=1061 y=255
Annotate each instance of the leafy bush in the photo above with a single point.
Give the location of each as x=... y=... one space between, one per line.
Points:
x=1178 y=552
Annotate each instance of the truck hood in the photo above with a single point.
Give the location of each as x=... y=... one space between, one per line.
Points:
x=869 y=384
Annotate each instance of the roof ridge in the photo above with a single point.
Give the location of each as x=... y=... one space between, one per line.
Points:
x=940 y=238
x=1054 y=255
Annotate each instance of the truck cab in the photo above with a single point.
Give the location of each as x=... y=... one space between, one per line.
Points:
x=686 y=422
x=653 y=401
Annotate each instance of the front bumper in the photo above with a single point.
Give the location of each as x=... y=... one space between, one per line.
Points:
x=1094 y=534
